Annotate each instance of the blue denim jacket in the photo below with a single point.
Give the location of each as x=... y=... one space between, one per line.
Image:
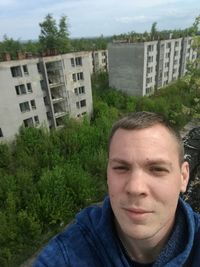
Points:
x=92 y=241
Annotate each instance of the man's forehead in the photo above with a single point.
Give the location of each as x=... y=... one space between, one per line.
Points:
x=158 y=129
x=158 y=138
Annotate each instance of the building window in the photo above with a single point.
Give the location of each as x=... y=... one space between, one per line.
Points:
x=95 y=56
x=72 y=62
x=166 y=74
x=175 y=62
x=49 y=115
x=76 y=91
x=176 y=53
x=193 y=56
x=165 y=82
x=166 y=64
x=25 y=69
x=149 y=69
x=74 y=77
x=77 y=105
x=33 y=105
x=168 y=45
x=149 y=80
x=78 y=61
x=150 y=59
x=1 y=133
x=45 y=100
x=81 y=90
x=29 y=87
x=16 y=71
x=39 y=67
x=36 y=119
x=24 y=107
x=83 y=103
x=80 y=76
x=42 y=84
x=148 y=90
x=20 y=89
x=176 y=44
x=167 y=55
x=28 y=122
x=150 y=48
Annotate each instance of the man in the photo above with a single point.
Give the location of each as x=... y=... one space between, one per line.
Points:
x=143 y=222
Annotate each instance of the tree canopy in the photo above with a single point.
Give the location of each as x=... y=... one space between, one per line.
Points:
x=53 y=36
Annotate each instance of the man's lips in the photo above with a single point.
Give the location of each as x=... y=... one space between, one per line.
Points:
x=137 y=213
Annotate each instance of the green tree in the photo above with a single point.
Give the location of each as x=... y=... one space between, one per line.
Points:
x=63 y=35
x=154 y=31
x=53 y=37
x=8 y=45
x=32 y=47
x=49 y=33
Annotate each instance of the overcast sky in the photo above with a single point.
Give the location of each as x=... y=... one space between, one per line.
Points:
x=19 y=19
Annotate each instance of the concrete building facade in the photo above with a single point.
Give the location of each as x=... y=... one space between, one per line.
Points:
x=42 y=91
x=141 y=68
x=98 y=61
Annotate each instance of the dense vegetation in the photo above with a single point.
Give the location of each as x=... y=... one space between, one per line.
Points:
x=156 y=34
x=47 y=177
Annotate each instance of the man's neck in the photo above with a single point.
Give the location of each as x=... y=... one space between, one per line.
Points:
x=145 y=250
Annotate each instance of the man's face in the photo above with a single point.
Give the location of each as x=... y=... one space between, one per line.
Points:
x=144 y=181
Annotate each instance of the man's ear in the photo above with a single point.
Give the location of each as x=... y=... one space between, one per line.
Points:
x=185 y=174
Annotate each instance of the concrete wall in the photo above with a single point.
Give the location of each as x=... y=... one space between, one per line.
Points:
x=86 y=82
x=126 y=64
x=139 y=68
x=150 y=67
x=11 y=117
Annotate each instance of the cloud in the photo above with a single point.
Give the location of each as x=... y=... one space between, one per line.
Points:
x=21 y=18
x=139 y=19
x=7 y=3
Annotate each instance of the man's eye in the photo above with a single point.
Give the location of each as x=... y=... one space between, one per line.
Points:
x=120 y=168
x=159 y=170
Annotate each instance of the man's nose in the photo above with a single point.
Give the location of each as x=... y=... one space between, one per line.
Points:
x=137 y=182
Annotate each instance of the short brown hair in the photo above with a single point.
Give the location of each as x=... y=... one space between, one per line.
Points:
x=144 y=119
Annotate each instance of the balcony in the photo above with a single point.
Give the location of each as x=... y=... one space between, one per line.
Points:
x=59 y=114
x=57 y=99
x=55 y=81
x=60 y=109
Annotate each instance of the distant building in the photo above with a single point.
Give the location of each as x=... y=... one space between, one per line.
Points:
x=42 y=91
x=98 y=61
x=140 y=68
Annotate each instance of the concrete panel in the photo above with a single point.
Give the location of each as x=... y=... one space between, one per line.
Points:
x=126 y=64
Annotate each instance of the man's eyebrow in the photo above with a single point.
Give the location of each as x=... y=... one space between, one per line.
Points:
x=118 y=160
x=159 y=161
x=148 y=161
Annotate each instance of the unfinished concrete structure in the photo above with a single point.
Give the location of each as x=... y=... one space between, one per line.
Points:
x=43 y=91
x=141 y=68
